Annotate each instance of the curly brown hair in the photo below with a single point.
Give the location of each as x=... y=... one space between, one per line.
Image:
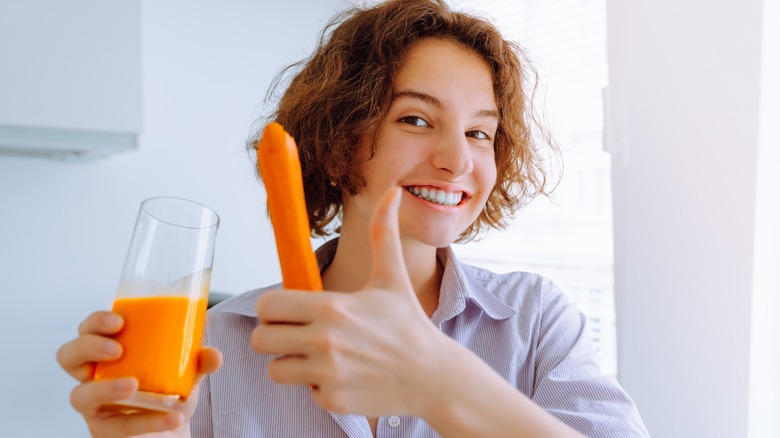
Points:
x=344 y=90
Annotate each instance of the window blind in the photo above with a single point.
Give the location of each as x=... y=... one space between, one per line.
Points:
x=567 y=237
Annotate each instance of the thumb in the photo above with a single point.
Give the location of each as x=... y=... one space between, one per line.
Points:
x=389 y=268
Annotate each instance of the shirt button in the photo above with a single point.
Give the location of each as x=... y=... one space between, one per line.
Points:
x=394 y=421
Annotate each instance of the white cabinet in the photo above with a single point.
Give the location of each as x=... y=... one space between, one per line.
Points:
x=70 y=77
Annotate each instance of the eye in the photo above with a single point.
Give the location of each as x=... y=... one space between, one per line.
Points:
x=479 y=135
x=414 y=120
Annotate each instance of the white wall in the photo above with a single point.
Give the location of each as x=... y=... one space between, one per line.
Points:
x=65 y=226
x=38 y=37
x=685 y=87
x=764 y=402
x=686 y=76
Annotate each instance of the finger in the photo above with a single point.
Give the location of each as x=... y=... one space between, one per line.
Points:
x=78 y=356
x=389 y=269
x=293 y=370
x=280 y=339
x=138 y=423
x=89 y=397
x=288 y=306
x=101 y=322
x=209 y=361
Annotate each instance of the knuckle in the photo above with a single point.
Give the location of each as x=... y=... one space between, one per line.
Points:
x=62 y=354
x=84 y=373
x=275 y=371
x=321 y=375
x=335 y=375
x=101 y=322
x=87 y=325
x=325 y=342
x=327 y=375
x=333 y=401
x=335 y=309
x=90 y=348
x=76 y=399
x=257 y=339
x=268 y=305
x=83 y=326
x=261 y=305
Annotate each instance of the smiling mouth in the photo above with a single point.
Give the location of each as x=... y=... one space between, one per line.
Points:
x=441 y=197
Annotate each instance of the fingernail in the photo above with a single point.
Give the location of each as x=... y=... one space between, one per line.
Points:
x=112 y=321
x=124 y=384
x=111 y=348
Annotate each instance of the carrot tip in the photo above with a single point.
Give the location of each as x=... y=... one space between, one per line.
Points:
x=273 y=132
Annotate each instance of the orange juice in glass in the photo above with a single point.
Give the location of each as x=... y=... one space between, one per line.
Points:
x=162 y=297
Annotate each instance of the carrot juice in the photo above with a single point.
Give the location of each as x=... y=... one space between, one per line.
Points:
x=161 y=340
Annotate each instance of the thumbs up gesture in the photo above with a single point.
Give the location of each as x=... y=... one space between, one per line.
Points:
x=366 y=352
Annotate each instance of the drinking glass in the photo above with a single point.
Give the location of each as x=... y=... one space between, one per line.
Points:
x=162 y=296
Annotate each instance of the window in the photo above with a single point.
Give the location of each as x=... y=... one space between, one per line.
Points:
x=567 y=238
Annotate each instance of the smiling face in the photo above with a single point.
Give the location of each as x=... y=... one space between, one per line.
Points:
x=436 y=142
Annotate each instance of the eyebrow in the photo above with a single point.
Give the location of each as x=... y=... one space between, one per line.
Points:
x=427 y=98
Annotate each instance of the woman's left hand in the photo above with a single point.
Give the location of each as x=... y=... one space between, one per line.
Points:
x=371 y=352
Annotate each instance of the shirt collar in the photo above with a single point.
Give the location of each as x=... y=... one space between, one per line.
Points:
x=461 y=286
x=245 y=304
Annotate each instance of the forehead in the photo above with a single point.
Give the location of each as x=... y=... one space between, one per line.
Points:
x=449 y=67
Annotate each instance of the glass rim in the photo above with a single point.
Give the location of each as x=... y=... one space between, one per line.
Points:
x=187 y=201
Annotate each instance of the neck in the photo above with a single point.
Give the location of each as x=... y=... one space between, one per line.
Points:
x=351 y=267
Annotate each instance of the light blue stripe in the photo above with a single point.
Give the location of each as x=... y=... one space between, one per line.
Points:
x=539 y=345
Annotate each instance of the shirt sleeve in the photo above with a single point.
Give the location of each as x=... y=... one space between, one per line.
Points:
x=568 y=382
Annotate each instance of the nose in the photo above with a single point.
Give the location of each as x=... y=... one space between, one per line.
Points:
x=452 y=155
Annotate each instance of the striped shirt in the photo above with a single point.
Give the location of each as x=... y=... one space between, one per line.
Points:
x=520 y=324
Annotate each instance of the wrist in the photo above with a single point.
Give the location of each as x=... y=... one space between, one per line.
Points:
x=470 y=399
x=443 y=380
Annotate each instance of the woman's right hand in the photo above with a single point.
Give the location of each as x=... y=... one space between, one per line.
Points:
x=94 y=344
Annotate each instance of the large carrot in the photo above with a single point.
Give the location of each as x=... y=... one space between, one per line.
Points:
x=280 y=167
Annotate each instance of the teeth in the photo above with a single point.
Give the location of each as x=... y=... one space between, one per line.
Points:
x=438 y=196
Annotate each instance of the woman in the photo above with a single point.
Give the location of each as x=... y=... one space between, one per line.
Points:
x=414 y=132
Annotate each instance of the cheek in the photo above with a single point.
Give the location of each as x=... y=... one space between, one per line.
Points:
x=487 y=181
x=384 y=169
x=492 y=174
x=488 y=174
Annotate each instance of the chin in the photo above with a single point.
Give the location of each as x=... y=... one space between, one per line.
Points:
x=433 y=237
